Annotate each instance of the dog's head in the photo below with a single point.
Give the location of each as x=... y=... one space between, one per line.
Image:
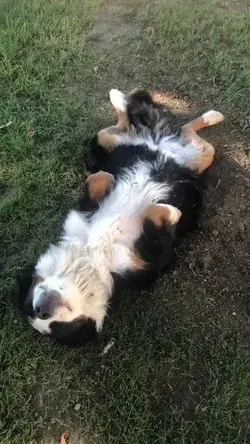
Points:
x=64 y=296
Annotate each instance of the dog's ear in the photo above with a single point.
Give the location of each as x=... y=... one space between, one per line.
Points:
x=24 y=282
x=75 y=333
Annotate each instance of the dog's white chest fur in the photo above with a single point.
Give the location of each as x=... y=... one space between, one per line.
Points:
x=119 y=214
x=127 y=231
x=117 y=224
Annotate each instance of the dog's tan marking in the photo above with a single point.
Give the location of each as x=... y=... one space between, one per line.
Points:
x=205 y=151
x=138 y=263
x=204 y=157
x=98 y=184
x=157 y=213
x=107 y=139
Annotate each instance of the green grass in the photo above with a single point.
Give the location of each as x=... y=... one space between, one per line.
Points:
x=199 y=51
x=211 y=49
x=162 y=382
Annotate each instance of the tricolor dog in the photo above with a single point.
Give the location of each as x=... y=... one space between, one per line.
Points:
x=146 y=195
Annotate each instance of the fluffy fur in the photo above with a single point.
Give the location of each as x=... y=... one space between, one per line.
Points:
x=154 y=198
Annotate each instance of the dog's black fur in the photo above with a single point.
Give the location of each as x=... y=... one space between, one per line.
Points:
x=156 y=245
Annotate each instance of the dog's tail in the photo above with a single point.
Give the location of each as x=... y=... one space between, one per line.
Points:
x=146 y=115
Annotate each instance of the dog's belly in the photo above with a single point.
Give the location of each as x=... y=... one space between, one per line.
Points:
x=118 y=223
x=134 y=191
x=122 y=259
x=127 y=231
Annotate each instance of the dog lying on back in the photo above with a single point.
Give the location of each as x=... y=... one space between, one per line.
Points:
x=147 y=193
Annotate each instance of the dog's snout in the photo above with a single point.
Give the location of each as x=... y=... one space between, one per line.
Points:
x=42 y=312
x=46 y=304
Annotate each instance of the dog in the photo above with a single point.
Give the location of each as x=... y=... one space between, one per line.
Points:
x=145 y=196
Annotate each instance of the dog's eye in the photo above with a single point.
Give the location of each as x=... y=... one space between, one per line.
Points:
x=61 y=287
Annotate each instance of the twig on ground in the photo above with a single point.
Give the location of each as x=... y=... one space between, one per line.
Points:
x=107 y=347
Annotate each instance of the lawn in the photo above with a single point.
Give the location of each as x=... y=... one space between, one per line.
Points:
x=179 y=370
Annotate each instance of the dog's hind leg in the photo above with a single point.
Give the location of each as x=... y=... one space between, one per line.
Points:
x=203 y=156
x=153 y=249
x=109 y=137
x=118 y=100
x=157 y=213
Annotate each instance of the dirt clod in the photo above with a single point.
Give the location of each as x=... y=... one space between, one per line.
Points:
x=77 y=406
x=205 y=261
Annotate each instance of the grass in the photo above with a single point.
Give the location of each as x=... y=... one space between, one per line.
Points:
x=163 y=381
x=198 y=54
x=217 y=45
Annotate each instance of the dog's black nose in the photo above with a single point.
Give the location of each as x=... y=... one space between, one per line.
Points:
x=40 y=313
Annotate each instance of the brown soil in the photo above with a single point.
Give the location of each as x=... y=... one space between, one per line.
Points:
x=117 y=19
x=210 y=286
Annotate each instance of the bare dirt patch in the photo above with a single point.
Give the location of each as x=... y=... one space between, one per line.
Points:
x=210 y=287
x=115 y=21
x=238 y=6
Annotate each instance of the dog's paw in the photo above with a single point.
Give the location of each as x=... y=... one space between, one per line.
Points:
x=173 y=213
x=118 y=100
x=213 y=117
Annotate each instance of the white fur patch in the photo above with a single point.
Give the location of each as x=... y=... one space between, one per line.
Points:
x=118 y=100
x=76 y=226
x=212 y=117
